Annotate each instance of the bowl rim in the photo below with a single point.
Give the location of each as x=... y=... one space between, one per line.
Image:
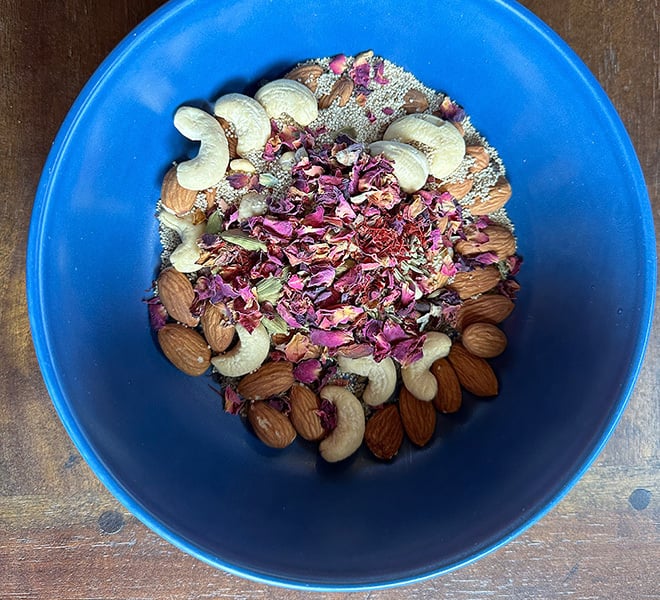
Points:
x=34 y=290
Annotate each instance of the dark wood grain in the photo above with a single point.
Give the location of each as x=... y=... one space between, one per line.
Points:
x=63 y=536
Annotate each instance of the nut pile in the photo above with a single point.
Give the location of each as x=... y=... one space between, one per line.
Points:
x=338 y=255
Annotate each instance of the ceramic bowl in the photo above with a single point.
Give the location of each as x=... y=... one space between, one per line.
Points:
x=160 y=441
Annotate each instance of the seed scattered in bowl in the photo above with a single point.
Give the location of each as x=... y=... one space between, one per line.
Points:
x=351 y=246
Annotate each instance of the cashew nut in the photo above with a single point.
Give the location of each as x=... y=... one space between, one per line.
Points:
x=287 y=160
x=185 y=256
x=249 y=119
x=381 y=375
x=242 y=164
x=251 y=204
x=417 y=376
x=248 y=354
x=440 y=141
x=347 y=437
x=288 y=97
x=210 y=164
x=410 y=165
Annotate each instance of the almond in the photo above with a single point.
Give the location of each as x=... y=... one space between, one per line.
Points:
x=230 y=134
x=418 y=418
x=270 y=425
x=342 y=90
x=484 y=340
x=499 y=240
x=449 y=396
x=307 y=74
x=177 y=295
x=210 y=198
x=497 y=197
x=459 y=189
x=304 y=406
x=219 y=333
x=174 y=196
x=270 y=379
x=470 y=283
x=490 y=308
x=473 y=373
x=279 y=339
x=480 y=156
x=384 y=432
x=414 y=101
x=185 y=348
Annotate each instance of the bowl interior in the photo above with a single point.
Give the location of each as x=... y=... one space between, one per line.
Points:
x=161 y=441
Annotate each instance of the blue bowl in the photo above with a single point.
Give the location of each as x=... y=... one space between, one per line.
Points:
x=160 y=441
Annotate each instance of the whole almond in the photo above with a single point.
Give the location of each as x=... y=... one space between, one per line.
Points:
x=473 y=373
x=307 y=74
x=304 y=406
x=270 y=379
x=489 y=308
x=500 y=241
x=174 y=196
x=185 y=348
x=470 y=283
x=384 y=432
x=449 y=397
x=418 y=418
x=230 y=134
x=459 y=189
x=177 y=295
x=484 y=340
x=414 y=101
x=271 y=426
x=341 y=89
x=496 y=198
x=219 y=333
x=480 y=156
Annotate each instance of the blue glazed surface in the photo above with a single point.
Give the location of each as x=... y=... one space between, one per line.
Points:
x=160 y=441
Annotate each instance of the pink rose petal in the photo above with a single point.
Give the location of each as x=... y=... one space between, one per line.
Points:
x=308 y=371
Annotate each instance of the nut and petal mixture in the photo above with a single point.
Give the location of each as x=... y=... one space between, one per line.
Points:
x=345 y=274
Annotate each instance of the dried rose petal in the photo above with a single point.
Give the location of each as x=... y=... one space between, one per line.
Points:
x=308 y=371
x=328 y=415
x=233 y=403
x=487 y=258
x=331 y=339
x=280 y=404
x=338 y=64
x=379 y=73
x=238 y=180
x=157 y=313
x=300 y=347
x=451 y=111
x=360 y=74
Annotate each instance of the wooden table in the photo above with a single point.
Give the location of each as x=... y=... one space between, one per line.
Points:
x=61 y=533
